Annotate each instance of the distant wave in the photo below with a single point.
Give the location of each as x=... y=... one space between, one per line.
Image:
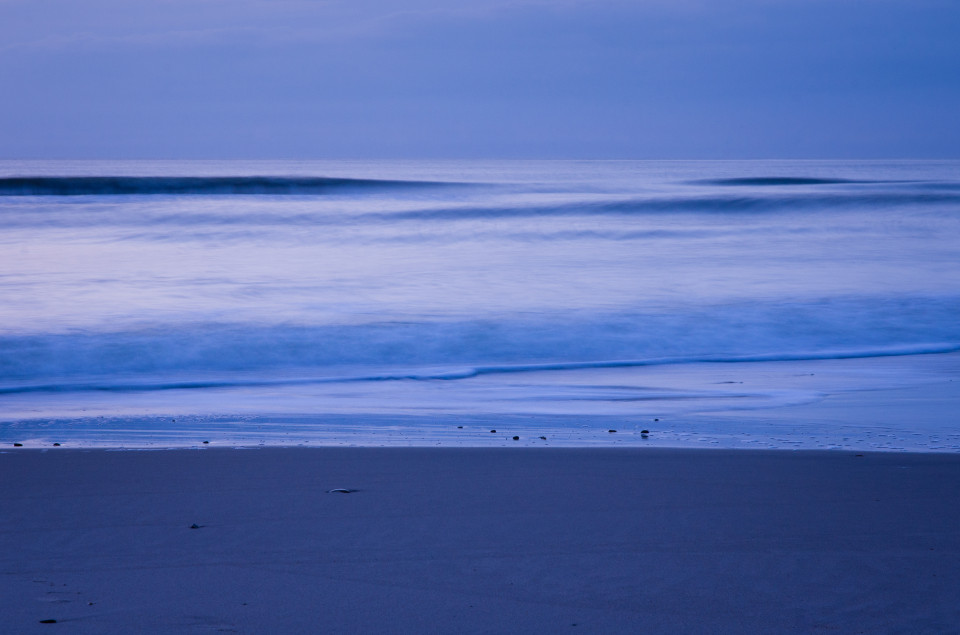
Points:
x=141 y=185
x=180 y=222
x=783 y=180
x=706 y=204
x=469 y=372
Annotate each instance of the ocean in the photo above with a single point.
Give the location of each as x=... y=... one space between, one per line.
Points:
x=244 y=303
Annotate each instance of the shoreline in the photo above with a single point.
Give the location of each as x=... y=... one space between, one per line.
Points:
x=890 y=404
x=479 y=540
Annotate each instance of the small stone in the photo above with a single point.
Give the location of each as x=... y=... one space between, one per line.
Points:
x=493 y=431
x=18 y=445
x=516 y=438
x=611 y=431
x=48 y=621
x=205 y=442
x=544 y=438
x=194 y=526
x=644 y=432
x=56 y=445
x=459 y=427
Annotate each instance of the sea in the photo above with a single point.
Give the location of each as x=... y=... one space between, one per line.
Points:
x=155 y=304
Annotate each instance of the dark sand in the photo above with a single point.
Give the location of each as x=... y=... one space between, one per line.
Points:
x=479 y=541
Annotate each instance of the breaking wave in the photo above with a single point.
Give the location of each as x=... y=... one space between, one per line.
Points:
x=204 y=355
x=205 y=185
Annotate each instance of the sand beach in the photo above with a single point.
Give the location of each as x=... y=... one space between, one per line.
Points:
x=479 y=540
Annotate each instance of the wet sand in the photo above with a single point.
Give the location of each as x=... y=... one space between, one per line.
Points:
x=479 y=540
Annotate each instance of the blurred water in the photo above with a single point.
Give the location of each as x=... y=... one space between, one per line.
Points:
x=478 y=288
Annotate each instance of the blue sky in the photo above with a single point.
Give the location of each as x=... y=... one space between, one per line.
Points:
x=485 y=78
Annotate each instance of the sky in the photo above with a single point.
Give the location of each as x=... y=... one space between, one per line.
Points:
x=604 y=79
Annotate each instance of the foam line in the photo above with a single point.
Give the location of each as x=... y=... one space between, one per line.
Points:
x=467 y=373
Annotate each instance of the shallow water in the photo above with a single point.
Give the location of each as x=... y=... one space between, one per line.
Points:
x=293 y=293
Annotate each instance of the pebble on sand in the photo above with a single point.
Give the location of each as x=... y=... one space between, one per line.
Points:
x=516 y=438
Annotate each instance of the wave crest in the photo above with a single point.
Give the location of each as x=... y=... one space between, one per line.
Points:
x=200 y=185
x=117 y=385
